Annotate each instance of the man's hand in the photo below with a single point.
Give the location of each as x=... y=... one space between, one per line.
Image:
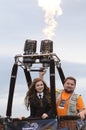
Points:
x=82 y=114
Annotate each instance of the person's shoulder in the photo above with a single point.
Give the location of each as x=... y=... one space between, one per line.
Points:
x=80 y=96
x=59 y=90
x=58 y=93
x=77 y=95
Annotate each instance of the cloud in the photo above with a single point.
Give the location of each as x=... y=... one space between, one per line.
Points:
x=18 y=22
x=76 y=69
x=18 y=108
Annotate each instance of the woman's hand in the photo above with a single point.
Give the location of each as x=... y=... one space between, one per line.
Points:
x=44 y=116
x=21 y=118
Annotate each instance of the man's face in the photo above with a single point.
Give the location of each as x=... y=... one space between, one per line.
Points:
x=69 y=86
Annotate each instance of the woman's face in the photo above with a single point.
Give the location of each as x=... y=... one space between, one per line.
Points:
x=39 y=86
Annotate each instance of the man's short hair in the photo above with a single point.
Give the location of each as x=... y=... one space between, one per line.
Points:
x=71 y=78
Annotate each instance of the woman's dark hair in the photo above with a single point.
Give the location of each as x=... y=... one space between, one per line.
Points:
x=32 y=93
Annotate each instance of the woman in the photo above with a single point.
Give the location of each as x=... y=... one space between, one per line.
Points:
x=38 y=99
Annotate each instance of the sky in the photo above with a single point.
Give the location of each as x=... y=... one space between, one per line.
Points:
x=25 y=19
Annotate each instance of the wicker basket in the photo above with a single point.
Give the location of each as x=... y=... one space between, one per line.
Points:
x=1 y=127
x=68 y=122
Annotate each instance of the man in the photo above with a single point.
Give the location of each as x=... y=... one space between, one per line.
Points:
x=68 y=102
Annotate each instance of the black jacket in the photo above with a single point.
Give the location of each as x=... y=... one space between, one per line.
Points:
x=40 y=106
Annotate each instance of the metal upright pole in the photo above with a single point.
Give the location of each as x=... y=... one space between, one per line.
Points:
x=11 y=89
x=52 y=85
